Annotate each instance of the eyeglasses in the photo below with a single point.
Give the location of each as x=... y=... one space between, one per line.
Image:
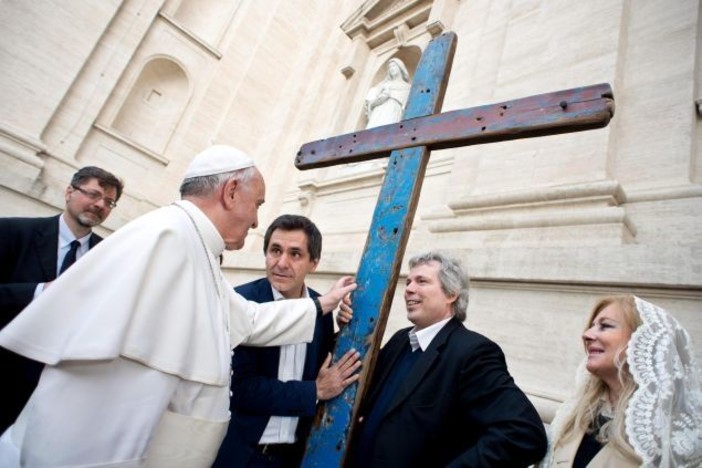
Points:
x=96 y=197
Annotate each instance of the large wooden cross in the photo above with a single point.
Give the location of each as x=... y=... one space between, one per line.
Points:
x=410 y=142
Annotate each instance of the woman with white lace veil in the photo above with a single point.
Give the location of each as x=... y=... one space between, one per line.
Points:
x=638 y=398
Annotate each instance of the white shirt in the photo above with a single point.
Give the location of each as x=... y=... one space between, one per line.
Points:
x=64 y=243
x=425 y=336
x=142 y=326
x=65 y=238
x=291 y=365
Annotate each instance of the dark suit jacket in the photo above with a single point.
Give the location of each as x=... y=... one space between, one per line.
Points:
x=257 y=393
x=459 y=406
x=28 y=250
x=28 y=256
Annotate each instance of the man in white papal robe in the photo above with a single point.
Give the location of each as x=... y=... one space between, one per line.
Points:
x=137 y=336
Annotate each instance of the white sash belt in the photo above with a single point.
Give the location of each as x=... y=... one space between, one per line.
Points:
x=185 y=442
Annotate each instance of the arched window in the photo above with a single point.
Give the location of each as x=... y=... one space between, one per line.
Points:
x=154 y=105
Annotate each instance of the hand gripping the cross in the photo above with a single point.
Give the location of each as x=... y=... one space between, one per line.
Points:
x=345 y=313
x=333 y=379
x=341 y=289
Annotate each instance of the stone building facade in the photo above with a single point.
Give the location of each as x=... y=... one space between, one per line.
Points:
x=544 y=225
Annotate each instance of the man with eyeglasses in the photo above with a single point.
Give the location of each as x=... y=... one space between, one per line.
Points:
x=33 y=252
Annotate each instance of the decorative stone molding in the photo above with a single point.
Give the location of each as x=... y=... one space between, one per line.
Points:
x=608 y=190
x=435 y=28
x=367 y=174
x=370 y=177
x=132 y=144
x=566 y=206
x=21 y=146
x=305 y=197
x=190 y=35
x=567 y=217
x=377 y=21
x=664 y=193
x=401 y=35
x=306 y=200
x=598 y=268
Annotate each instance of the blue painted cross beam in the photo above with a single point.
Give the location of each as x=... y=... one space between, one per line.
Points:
x=409 y=144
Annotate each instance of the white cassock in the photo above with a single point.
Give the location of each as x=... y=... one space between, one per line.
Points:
x=137 y=338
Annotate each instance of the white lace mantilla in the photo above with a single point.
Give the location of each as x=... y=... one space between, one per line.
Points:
x=664 y=416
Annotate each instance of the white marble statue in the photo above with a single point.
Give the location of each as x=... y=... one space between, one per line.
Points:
x=386 y=101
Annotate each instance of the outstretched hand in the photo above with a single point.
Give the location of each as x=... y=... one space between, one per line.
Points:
x=341 y=288
x=333 y=379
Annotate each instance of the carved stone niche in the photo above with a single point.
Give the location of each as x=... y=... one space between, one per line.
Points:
x=379 y=30
x=382 y=21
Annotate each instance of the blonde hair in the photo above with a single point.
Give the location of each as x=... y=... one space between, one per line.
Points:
x=592 y=397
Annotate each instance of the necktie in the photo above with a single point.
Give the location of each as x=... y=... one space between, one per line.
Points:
x=70 y=257
x=414 y=342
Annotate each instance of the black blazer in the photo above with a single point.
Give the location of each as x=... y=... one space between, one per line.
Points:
x=28 y=256
x=458 y=407
x=257 y=394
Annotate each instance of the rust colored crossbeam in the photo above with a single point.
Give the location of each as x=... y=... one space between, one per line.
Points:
x=567 y=111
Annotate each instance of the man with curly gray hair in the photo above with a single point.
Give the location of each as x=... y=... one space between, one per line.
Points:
x=441 y=394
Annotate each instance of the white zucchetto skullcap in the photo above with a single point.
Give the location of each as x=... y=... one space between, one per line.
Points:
x=218 y=159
